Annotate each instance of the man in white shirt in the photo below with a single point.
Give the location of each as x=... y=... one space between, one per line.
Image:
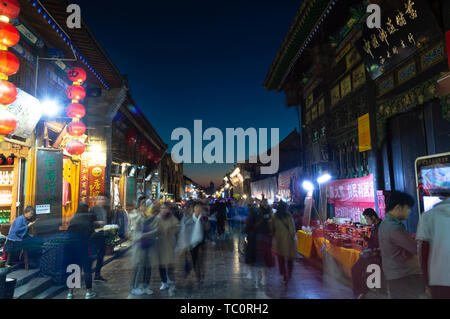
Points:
x=434 y=248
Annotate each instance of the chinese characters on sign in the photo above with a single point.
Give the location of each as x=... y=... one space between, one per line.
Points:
x=84 y=180
x=49 y=179
x=351 y=196
x=96 y=183
x=400 y=35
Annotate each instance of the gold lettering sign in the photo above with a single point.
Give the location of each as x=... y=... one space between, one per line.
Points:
x=364 y=133
x=359 y=76
x=346 y=86
x=335 y=95
x=321 y=106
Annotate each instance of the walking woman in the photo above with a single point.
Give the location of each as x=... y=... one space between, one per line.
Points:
x=168 y=228
x=198 y=244
x=81 y=229
x=285 y=243
x=259 y=249
x=145 y=248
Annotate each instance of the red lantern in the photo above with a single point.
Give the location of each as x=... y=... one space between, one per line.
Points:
x=156 y=159
x=9 y=35
x=77 y=75
x=9 y=8
x=76 y=92
x=8 y=122
x=75 y=147
x=9 y=64
x=131 y=137
x=8 y=92
x=76 y=129
x=76 y=110
x=143 y=148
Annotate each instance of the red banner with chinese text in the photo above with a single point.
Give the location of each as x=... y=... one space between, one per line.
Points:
x=96 y=183
x=351 y=196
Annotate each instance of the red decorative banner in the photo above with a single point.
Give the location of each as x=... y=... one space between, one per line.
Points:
x=351 y=196
x=84 y=181
x=447 y=40
x=96 y=183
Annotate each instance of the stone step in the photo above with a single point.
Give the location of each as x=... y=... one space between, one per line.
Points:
x=33 y=288
x=23 y=276
x=51 y=292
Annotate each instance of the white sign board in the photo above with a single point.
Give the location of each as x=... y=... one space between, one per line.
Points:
x=42 y=209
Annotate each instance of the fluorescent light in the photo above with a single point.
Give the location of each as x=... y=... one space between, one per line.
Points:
x=324 y=179
x=308 y=186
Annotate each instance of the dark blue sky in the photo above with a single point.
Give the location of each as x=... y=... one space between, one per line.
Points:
x=205 y=60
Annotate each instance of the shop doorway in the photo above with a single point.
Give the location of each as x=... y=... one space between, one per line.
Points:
x=413 y=134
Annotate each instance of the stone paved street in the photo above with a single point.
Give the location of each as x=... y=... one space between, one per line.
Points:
x=225 y=279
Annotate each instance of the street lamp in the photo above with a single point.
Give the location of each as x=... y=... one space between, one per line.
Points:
x=50 y=107
x=308 y=186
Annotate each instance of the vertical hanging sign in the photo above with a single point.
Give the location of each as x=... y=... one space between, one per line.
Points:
x=84 y=180
x=96 y=183
x=364 y=133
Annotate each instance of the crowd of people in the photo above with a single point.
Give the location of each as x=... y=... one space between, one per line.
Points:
x=166 y=235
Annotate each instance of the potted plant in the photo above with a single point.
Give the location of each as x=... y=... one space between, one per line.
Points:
x=111 y=239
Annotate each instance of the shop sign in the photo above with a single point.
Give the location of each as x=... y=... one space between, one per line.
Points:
x=131 y=191
x=84 y=180
x=359 y=76
x=364 y=133
x=49 y=181
x=400 y=36
x=96 y=183
x=351 y=196
x=28 y=112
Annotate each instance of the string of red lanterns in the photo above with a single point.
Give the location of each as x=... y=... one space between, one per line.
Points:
x=76 y=111
x=9 y=65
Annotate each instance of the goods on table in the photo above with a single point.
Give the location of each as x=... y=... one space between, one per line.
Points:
x=347 y=234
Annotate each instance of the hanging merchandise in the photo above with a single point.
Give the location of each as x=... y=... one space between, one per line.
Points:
x=76 y=111
x=9 y=65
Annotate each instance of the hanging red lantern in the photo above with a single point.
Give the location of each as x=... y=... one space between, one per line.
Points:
x=75 y=147
x=9 y=8
x=76 y=129
x=9 y=64
x=77 y=75
x=9 y=36
x=143 y=148
x=8 y=92
x=131 y=137
x=76 y=92
x=76 y=110
x=156 y=159
x=8 y=122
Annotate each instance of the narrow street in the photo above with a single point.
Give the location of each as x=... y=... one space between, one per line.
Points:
x=225 y=279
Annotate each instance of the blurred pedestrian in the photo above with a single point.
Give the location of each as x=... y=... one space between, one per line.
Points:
x=101 y=212
x=145 y=249
x=259 y=248
x=285 y=245
x=184 y=238
x=81 y=229
x=399 y=250
x=434 y=249
x=168 y=228
x=221 y=216
x=198 y=243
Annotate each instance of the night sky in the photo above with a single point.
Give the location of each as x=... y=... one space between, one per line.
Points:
x=206 y=60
